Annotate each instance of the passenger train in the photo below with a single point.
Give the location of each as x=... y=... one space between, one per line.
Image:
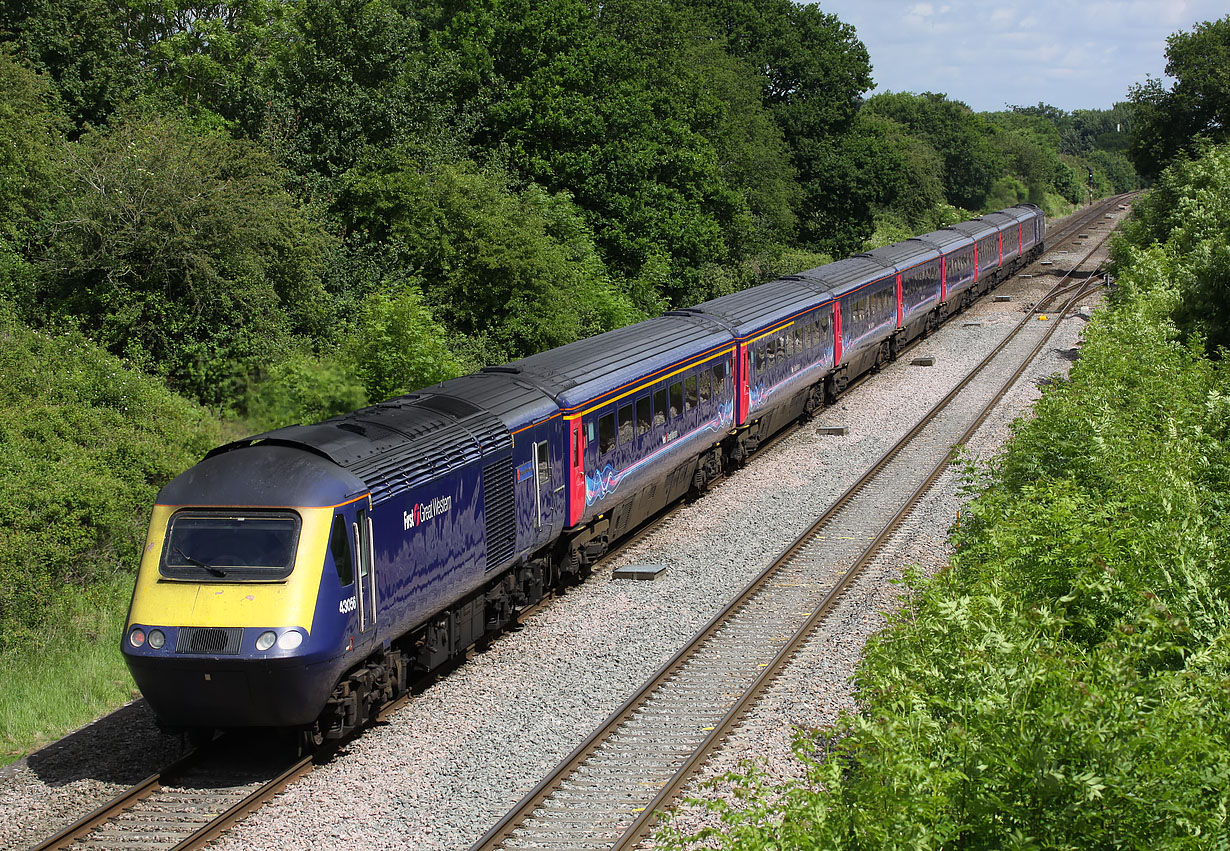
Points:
x=301 y=577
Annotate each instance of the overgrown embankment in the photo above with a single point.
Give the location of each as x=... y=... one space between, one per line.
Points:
x=1066 y=683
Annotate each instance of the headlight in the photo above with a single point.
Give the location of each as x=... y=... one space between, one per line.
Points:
x=136 y=638
x=290 y=640
x=265 y=640
x=156 y=639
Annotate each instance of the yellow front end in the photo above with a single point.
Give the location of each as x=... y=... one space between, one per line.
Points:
x=282 y=603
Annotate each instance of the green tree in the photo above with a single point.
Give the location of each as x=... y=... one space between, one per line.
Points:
x=398 y=346
x=1197 y=106
x=959 y=136
x=27 y=136
x=595 y=103
x=516 y=269
x=181 y=251
x=815 y=72
x=83 y=47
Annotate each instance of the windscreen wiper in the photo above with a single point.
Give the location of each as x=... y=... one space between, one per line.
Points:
x=216 y=571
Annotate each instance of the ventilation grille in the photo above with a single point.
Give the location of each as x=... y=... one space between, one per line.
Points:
x=499 y=507
x=209 y=640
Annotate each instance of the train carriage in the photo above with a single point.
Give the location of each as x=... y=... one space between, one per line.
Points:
x=785 y=333
x=1032 y=223
x=985 y=235
x=957 y=268
x=918 y=282
x=643 y=410
x=865 y=293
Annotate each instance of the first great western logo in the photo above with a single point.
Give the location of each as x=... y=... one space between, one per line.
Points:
x=421 y=512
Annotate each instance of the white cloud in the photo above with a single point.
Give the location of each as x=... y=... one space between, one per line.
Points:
x=1020 y=51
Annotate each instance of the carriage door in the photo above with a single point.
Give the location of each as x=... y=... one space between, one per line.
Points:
x=544 y=493
x=361 y=531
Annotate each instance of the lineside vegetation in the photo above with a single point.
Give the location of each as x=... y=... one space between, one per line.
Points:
x=1065 y=684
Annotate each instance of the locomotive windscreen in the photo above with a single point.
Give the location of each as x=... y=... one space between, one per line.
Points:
x=230 y=546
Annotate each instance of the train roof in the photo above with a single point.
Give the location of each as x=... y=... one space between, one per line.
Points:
x=903 y=255
x=588 y=369
x=844 y=276
x=506 y=395
x=947 y=240
x=1024 y=212
x=756 y=308
x=390 y=447
x=270 y=475
x=1000 y=220
x=976 y=229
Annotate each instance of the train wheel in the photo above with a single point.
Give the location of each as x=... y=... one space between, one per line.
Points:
x=310 y=738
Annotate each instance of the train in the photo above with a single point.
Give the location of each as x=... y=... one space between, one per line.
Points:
x=300 y=578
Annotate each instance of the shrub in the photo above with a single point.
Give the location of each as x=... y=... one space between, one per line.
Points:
x=85 y=444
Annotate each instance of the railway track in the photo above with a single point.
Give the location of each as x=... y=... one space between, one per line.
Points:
x=200 y=796
x=607 y=792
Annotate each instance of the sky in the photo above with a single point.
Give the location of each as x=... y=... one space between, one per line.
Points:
x=992 y=53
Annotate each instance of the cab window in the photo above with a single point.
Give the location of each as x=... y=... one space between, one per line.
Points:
x=229 y=546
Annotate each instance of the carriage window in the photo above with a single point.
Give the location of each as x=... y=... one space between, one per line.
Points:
x=626 y=431
x=719 y=378
x=689 y=393
x=642 y=415
x=606 y=433
x=339 y=546
x=659 y=407
x=770 y=356
x=760 y=358
x=676 y=399
x=798 y=339
x=704 y=386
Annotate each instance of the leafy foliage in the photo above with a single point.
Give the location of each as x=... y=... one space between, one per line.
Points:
x=85 y=443
x=520 y=269
x=1196 y=108
x=1183 y=226
x=181 y=251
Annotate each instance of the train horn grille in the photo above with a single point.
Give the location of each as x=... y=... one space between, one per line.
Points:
x=209 y=640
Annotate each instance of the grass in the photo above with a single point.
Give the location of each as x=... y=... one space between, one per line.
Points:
x=76 y=676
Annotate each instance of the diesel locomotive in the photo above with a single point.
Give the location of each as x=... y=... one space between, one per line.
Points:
x=301 y=577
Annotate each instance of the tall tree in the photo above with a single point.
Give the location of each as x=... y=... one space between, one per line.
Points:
x=1196 y=107
x=180 y=250
x=959 y=136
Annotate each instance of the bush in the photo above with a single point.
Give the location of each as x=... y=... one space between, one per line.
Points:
x=303 y=389
x=178 y=249
x=85 y=444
